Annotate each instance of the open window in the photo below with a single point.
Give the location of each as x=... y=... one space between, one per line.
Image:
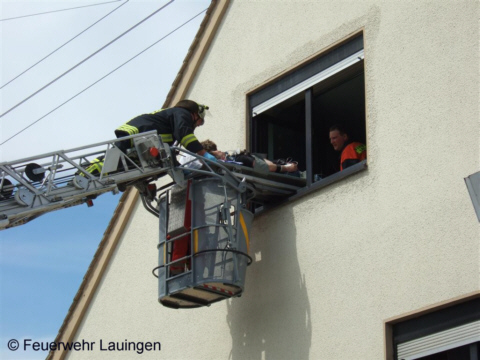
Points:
x=291 y=117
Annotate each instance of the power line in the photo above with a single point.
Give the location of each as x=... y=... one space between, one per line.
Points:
x=49 y=12
x=88 y=57
x=103 y=77
x=38 y=62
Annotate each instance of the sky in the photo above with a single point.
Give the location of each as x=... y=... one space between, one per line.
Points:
x=42 y=263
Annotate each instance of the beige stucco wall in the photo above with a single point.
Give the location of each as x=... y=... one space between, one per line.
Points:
x=332 y=266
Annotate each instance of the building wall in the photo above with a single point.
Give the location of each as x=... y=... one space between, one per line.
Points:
x=330 y=267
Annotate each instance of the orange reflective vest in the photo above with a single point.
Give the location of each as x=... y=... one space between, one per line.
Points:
x=352 y=154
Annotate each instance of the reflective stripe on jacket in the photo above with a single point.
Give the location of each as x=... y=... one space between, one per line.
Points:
x=171 y=124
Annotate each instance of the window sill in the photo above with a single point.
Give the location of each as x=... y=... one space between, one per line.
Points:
x=317 y=185
x=331 y=179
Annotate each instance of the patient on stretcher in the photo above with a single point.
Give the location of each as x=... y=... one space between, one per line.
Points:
x=244 y=158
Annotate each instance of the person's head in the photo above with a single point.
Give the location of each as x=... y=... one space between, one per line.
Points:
x=209 y=145
x=338 y=137
x=197 y=111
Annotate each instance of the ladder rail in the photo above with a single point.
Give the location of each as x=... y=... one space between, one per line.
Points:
x=66 y=180
x=9 y=171
x=15 y=168
x=211 y=166
x=29 y=159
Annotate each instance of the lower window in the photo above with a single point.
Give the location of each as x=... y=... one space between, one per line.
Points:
x=452 y=333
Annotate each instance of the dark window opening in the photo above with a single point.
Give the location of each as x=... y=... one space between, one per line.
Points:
x=280 y=131
x=341 y=103
x=289 y=123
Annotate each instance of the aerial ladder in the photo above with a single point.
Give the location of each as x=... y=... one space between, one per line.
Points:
x=205 y=215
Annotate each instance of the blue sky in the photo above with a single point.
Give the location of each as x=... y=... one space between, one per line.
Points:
x=43 y=262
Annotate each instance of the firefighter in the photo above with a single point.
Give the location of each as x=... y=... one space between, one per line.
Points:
x=175 y=124
x=351 y=152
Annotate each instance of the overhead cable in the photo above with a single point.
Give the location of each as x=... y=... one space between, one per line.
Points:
x=54 y=51
x=49 y=12
x=88 y=57
x=111 y=72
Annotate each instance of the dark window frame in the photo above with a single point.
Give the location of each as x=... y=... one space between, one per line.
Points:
x=333 y=56
x=430 y=322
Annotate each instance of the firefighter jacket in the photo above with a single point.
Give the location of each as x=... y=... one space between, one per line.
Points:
x=174 y=124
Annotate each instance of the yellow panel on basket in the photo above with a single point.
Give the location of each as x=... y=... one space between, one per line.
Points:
x=245 y=232
x=195 y=241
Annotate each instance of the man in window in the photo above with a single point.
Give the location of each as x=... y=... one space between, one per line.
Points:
x=351 y=152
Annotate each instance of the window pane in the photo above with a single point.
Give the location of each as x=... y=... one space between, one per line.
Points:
x=341 y=103
x=280 y=131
